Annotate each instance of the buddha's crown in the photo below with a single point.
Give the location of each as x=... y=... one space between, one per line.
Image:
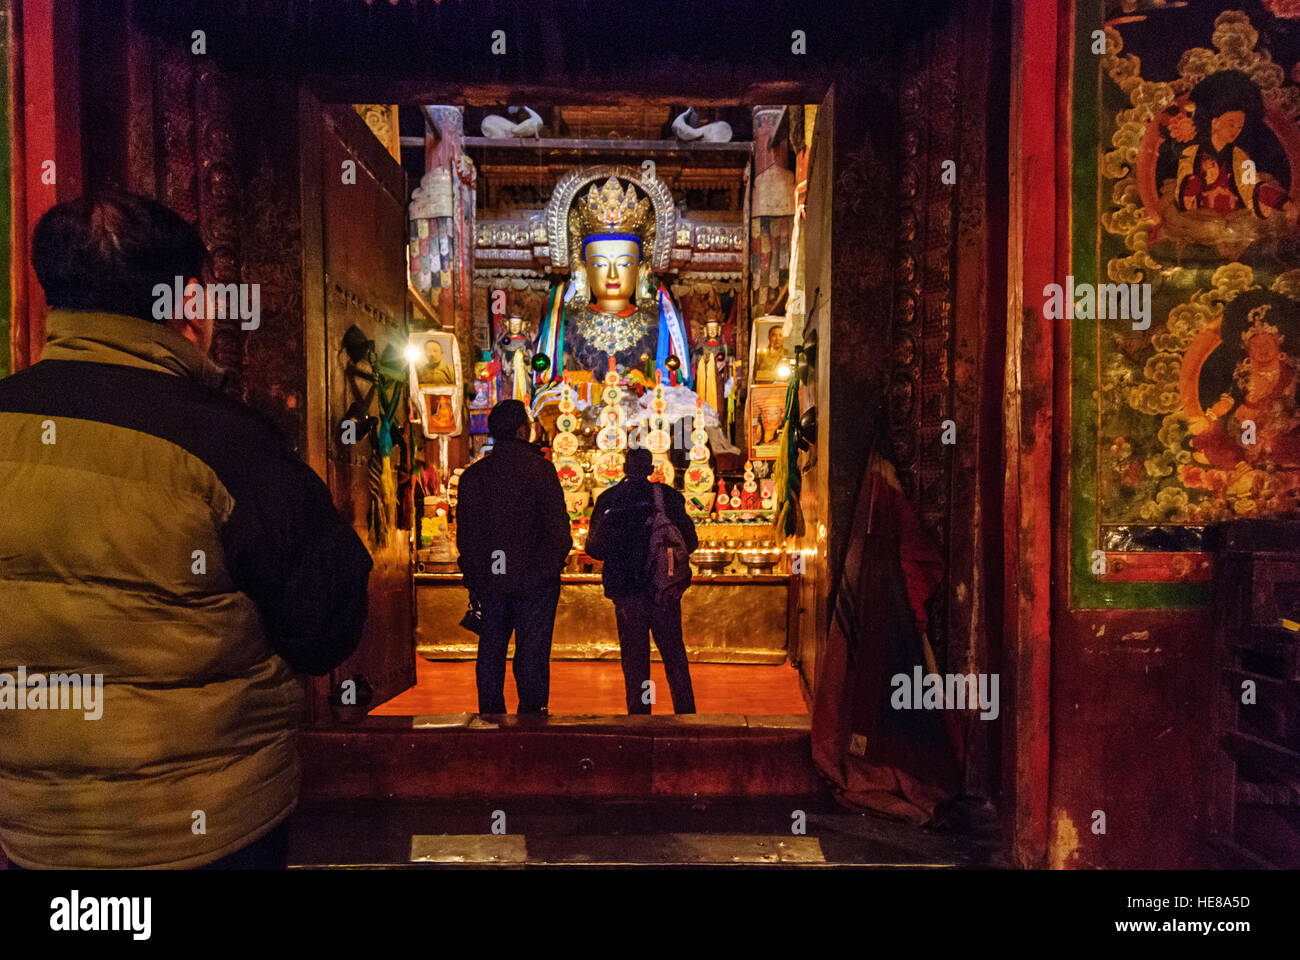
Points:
x=611 y=208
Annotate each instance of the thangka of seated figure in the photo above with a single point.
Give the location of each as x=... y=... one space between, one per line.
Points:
x=1214 y=172
x=1262 y=393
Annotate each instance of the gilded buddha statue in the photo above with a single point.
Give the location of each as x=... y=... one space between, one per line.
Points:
x=607 y=229
x=614 y=306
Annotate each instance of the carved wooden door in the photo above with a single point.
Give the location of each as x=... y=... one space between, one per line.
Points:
x=354 y=248
x=812 y=586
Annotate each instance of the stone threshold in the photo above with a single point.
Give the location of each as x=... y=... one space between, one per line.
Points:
x=680 y=850
x=612 y=757
x=809 y=831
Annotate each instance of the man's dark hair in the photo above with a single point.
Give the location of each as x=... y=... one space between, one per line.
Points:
x=506 y=418
x=107 y=251
x=638 y=462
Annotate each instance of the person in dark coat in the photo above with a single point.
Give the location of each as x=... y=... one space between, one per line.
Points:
x=619 y=536
x=512 y=530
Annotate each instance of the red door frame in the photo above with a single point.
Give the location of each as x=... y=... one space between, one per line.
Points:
x=1037 y=254
x=45 y=92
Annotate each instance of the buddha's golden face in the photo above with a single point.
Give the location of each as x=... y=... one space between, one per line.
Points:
x=612 y=267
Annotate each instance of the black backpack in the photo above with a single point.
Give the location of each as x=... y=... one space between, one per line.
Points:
x=667 y=562
x=625 y=566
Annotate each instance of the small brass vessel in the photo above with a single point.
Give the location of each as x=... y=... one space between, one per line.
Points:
x=760 y=559
x=711 y=561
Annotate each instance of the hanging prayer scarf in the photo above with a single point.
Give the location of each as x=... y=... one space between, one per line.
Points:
x=789 y=481
x=542 y=396
x=672 y=339
x=550 y=337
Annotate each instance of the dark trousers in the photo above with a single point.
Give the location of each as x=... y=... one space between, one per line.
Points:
x=269 y=852
x=530 y=616
x=638 y=618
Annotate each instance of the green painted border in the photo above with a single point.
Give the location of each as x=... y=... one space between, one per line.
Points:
x=1085 y=259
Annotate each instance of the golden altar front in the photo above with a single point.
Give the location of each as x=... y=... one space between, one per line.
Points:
x=726 y=618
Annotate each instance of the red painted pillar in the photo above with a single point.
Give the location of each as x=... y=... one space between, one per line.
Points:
x=441 y=153
x=45 y=150
x=1037 y=255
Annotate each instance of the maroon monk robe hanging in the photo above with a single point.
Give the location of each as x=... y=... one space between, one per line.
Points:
x=898 y=762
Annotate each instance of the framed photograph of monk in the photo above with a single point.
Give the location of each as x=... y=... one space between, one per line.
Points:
x=435 y=359
x=766 y=410
x=436 y=381
x=767 y=349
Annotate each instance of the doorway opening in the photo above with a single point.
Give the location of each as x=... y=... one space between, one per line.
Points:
x=491 y=294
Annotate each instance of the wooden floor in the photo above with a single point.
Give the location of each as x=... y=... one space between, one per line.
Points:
x=596 y=687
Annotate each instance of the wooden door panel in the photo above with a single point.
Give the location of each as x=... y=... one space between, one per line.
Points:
x=355 y=255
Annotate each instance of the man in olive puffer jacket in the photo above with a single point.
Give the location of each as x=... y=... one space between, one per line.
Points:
x=161 y=534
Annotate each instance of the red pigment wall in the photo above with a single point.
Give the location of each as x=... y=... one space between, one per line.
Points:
x=1131 y=696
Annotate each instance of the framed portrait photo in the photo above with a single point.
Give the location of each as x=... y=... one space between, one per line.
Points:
x=436 y=381
x=766 y=412
x=767 y=349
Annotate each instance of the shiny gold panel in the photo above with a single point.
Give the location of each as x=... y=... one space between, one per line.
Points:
x=725 y=619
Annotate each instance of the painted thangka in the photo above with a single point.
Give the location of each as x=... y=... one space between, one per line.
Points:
x=769 y=262
x=1187 y=415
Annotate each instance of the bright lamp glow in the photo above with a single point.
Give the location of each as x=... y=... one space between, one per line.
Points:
x=412 y=353
x=783 y=370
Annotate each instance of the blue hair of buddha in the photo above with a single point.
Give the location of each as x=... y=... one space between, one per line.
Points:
x=610 y=236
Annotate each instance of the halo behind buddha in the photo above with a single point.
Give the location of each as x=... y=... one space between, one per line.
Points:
x=639 y=205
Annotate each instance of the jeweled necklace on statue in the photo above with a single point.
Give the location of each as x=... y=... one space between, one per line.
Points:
x=611 y=332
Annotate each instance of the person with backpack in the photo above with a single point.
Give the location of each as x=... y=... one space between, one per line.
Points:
x=641 y=533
